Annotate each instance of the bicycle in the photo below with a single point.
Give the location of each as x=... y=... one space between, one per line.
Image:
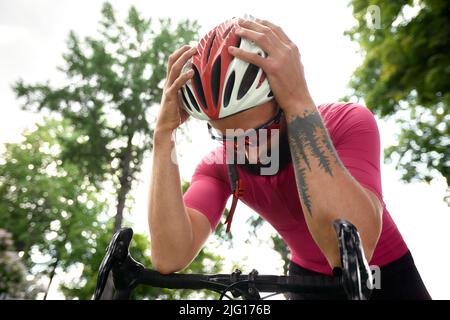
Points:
x=354 y=277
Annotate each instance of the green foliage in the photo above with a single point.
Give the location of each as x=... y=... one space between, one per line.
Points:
x=13 y=273
x=112 y=82
x=280 y=246
x=406 y=73
x=225 y=239
x=82 y=286
x=256 y=222
x=48 y=205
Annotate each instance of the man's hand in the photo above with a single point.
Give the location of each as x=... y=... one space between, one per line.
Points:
x=172 y=114
x=282 y=65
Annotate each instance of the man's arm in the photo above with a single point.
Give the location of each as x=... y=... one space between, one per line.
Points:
x=177 y=233
x=326 y=189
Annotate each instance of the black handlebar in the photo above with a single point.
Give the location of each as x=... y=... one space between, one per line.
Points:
x=127 y=273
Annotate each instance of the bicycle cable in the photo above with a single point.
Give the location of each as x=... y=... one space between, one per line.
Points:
x=233 y=285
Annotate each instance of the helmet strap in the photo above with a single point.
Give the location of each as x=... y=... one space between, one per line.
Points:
x=237 y=188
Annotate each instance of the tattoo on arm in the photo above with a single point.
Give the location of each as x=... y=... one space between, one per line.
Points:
x=309 y=138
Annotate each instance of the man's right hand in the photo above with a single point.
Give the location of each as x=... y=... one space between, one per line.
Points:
x=171 y=114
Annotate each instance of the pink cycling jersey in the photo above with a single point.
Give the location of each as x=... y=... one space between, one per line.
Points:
x=354 y=133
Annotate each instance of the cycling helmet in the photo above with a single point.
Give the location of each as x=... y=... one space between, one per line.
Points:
x=223 y=85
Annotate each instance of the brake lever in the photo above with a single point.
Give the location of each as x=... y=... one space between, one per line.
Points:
x=117 y=251
x=356 y=274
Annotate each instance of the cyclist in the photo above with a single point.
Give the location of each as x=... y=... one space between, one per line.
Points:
x=246 y=74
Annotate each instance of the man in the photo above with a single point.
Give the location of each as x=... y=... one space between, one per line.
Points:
x=247 y=74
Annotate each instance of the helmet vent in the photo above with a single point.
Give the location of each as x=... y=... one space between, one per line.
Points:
x=228 y=89
x=270 y=94
x=198 y=87
x=238 y=42
x=211 y=42
x=191 y=97
x=215 y=79
x=225 y=34
x=247 y=80
x=185 y=100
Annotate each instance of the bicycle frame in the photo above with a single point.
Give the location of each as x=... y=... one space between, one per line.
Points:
x=355 y=276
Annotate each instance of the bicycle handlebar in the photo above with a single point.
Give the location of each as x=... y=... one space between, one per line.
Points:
x=128 y=273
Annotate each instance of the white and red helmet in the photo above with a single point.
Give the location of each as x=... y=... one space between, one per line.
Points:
x=223 y=85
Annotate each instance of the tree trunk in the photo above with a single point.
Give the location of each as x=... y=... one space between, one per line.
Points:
x=52 y=275
x=125 y=186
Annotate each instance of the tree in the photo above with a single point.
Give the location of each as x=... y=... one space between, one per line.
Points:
x=405 y=73
x=112 y=83
x=13 y=273
x=48 y=205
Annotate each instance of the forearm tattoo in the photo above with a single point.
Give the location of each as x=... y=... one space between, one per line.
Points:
x=308 y=138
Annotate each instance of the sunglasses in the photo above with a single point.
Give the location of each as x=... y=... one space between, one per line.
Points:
x=252 y=136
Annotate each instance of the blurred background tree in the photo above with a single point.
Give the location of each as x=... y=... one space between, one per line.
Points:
x=13 y=273
x=405 y=74
x=255 y=223
x=113 y=81
x=48 y=205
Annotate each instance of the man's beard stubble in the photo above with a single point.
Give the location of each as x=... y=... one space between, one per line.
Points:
x=284 y=158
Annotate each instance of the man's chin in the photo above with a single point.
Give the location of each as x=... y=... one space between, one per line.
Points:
x=267 y=169
x=261 y=169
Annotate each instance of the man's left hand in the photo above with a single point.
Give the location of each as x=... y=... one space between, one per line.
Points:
x=282 y=65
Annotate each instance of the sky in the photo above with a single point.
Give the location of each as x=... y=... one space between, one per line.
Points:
x=32 y=40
